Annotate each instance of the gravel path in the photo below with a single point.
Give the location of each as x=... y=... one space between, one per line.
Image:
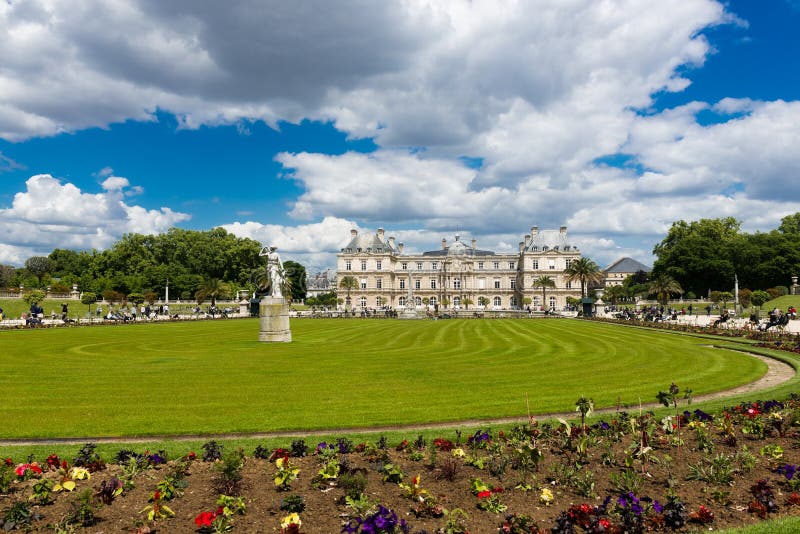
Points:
x=777 y=373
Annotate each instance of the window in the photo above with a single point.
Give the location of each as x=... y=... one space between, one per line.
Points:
x=417 y=284
x=481 y=283
x=433 y=283
x=551 y=264
x=419 y=265
x=379 y=302
x=401 y=301
x=418 y=301
x=496 y=301
x=378 y=265
x=457 y=283
x=433 y=301
x=363 y=283
x=512 y=265
x=552 y=302
x=363 y=265
x=402 y=284
x=496 y=264
x=456 y=301
x=404 y=265
x=379 y=283
x=363 y=302
x=535 y=264
x=568 y=262
x=435 y=265
x=348 y=266
x=512 y=301
x=480 y=265
x=569 y=285
x=512 y=283
x=536 y=301
x=497 y=283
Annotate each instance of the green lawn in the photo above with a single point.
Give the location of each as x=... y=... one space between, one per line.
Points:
x=214 y=376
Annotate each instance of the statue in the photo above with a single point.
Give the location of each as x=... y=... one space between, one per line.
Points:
x=275 y=270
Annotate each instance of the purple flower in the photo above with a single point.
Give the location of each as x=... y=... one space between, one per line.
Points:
x=657 y=507
x=788 y=470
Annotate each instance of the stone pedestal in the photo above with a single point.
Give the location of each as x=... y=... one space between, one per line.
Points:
x=274 y=321
x=411 y=313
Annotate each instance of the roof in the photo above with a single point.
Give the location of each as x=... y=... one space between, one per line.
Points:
x=368 y=243
x=545 y=240
x=458 y=248
x=627 y=265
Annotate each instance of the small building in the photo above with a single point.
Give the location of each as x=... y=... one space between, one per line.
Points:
x=621 y=269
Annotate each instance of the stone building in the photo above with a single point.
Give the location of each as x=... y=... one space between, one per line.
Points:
x=621 y=269
x=458 y=275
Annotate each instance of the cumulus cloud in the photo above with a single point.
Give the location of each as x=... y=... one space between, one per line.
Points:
x=51 y=214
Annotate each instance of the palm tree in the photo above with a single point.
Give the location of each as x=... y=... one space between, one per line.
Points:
x=211 y=288
x=348 y=283
x=584 y=270
x=467 y=302
x=544 y=282
x=483 y=301
x=613 y=294
x=663 y=287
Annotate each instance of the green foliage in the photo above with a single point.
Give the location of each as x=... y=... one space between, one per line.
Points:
x=296 y=276
x=39 y=266
x=34 y=296
x=586 y=271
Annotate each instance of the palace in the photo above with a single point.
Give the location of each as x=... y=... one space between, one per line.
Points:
x=458 y=275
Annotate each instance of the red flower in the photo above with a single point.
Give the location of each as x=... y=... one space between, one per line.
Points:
x=497 y=490
x=204 y=519
x=157 y=496
x=605 y=523
x=192 y=455
x=484 y=494
x=9 y=462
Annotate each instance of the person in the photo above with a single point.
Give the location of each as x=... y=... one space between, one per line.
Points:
x=690 y=309
x=64 y=311
x=1 y=314
x=708 y=310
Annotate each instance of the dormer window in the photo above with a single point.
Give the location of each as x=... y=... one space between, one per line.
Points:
x=544 y=248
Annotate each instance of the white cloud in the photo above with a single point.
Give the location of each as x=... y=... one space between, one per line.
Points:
x=115 y=183
x=51 y=215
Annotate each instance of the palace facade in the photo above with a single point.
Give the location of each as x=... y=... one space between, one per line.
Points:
x=458 y=275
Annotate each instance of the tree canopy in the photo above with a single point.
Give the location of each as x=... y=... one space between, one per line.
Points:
x=705 y=255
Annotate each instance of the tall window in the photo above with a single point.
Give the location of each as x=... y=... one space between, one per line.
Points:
x=457 y=283
x=512 y=283
x=401 y=301
x=402 y=284
x=363 y=302
x=535 y=264
x=433 y=301
x=497 y=283
x=552 y=302
x=551 y=263
x=496 y=264
x=378 y=265
x=512 y=301
x=496 y=301
x=435 y=265
x=379 y=283
x=569 y=285
x=348 y=265
x=404 y=265
x=417 y=284
x=568 y=262
x=363 y=283
x=433 y=283
x=363 y=265
x=379 y=302
x=456 y=301
x=481 y=283
x=419 y=265
x=512 y=265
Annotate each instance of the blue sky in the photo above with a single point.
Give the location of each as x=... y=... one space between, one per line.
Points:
x=292 y=124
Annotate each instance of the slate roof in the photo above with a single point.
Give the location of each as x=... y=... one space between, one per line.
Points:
x=551 y=239
x=368 y=243
x=627 y=265
x=458 y=248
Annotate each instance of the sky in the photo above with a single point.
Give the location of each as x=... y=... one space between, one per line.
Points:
x=294 y=122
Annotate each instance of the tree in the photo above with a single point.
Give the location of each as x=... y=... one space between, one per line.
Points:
x=745 y=296
x=88 y=299
x=39 y=266
x=584 y=270
x=614 y=294
x=467 y=302
x=33 y=297
x=759 y=297
x=348 y=283
x=544 y=282
x=295 y=274
x=663 y=287
x=210 y=288
x=7 y=273
x=483 y=301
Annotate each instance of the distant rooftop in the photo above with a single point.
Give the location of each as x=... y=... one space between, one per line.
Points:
x=627 y=265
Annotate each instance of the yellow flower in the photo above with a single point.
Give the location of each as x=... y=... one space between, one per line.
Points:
x=458 y=453
x=546 y=497
x=79 y=473
x=291 y=519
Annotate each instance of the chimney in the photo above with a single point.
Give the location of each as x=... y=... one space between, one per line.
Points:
x=391 y=241
x=444 y=243
x=534 y=231
x=563 y=230
x=353 y=232
x=527 y=239
x=400 y=247
x=521 y=246
x=474 y=244
x=380 y=234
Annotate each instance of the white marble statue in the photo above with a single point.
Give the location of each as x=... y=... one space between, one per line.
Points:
x=275 y=268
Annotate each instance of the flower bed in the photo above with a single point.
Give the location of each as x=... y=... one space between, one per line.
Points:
x=629 y=473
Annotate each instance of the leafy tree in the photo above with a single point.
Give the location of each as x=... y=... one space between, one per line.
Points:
x=663 y=287
x=725 y=297
x=296 y=275
x=348 y=283
x=39 y=266
x=483 y=301
x=745 y=296
x=111 y=296
x=88 y=298
x=544 y=282
x=7 y=273
x=759 y=297
x=790 y=224
x=614 y=294
x=584 y=270
x=136 y=298
x=467 y=302
x=33 y=297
